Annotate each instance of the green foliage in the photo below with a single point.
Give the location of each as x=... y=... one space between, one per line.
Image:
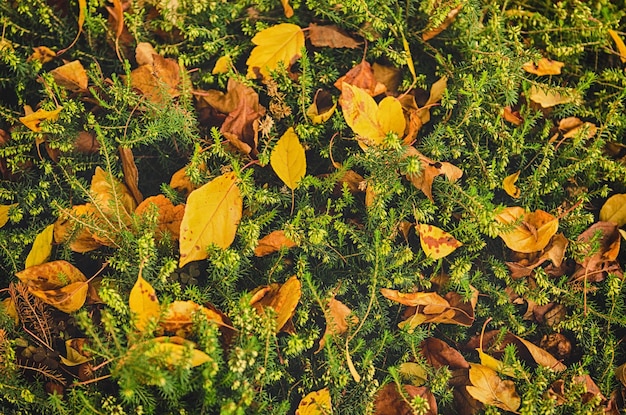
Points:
x=347 y=248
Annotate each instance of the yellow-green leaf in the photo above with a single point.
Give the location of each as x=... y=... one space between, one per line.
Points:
x=277 y=44
x=288 y=159
x=621 y=47
x=4 y=213
x=42 y=247
x=144 y=303
x=211 y=217
x=315 y=403
x=613 y=210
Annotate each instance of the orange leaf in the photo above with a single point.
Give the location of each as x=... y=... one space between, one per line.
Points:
x=336 y=320
x=211 y=216
x=42 y=54
x=71 y=76
x=362 y=76
x=144 y=303
x=287 y=8
x=435 y=242
x=282 y=298
x=415 y=298
x=621 y=47
x=288 y=159
x=159 y=80
x=178 y=318
x=549 y=99
x=112 y=197
x=434 y=31
x=277 y=44
x=33 y=120
x=543 y=66
x=170 y=216
x=273 y=242
x=508 y=184
x=131 y=175
x=532 y=234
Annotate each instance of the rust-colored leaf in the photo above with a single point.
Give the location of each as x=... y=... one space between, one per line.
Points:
x=131 y=174
x=362 y=76
x=435 y=242
x=431 y=32
x=430 y=170
x=336 y=314
x=330 y=36
x=158 y=80
x=389 y=401
x=273 y=242
x=170 y=216
x=439 y=354
x=512 y=116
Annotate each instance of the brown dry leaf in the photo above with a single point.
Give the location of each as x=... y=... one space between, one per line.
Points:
x=71 y=76
x=439 y=354
x=84 y=240
x=532 y=234
x=42 y=54
x=389 y=401
x=212 y=215
x=435 y=242
x=508 y=184
x=549 y=99
x=131 y=174
x=170 y=216
x=336 y=315
x=361 y=76
x=282 y=298
x=434 y=300
x=430 y=170
x=82 y=12
x=541 y=356
x=512 y=116
x=273 y=242
x=241 y=126
x=390 y=76
x=159 y=80
x=572 y=126
x=57 y=283
x=145 y=53
x=620 y=373
x=178 y=317
x=487 y=387
x=86 y=143
x=33 y=119
x=75 y=353
x=143 y=303
x=322 y=107
x=112 y=197
x=557 y=345
x=431 y=32
x=543 y=66
x=596 y=265
x=614 y=210
x=279 y=44
x=330 y=36
x=315 y=403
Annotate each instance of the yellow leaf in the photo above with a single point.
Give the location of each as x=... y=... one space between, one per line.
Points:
x=144 y=303
x=543 y=66
x=33 y=120
x=621 y=47
x=8 y=307
x=74 y=357
x=549 y=99
x=71 y=76
x=82 y=11
x=415 y=372
x=42 y=54
x=488 y=388
x=508 y=184
x=4 y=213
x=222 y=65
x=534 y=231
x=287 y=8
x=282 y=298
x=178 y=318
x=315 y=403
x=173 y=350
x=435 y=242
x=494 y=364
x=288 y=159
x=277 y=44
x=42 y=247
x=390 y=116
x=212 y=215
x=613 y=210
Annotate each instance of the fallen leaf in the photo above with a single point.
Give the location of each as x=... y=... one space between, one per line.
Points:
x=487 y=387
x=288 y=159
x=534 y=231
x=283 y=299
x=179 y=317
x=572 y=126
x=288 y=10
x=547 y=98
x=389 y=401
x=614 y=210
x=620 y=373
x=597 y=263
x=42 y=54
x=273 y=242
x=8 y=307
x=439 y=354
x=71 y=76
x=57 y=283
x=543 y=66
x=414 y=372
x=330 y=36
x=336 y=315
x=512 y=116
x=170 y=216
x=145 y=53
x=278 y=44
x=159 y=80
x=181 y=181
x=389 y=76
x=143 y=303
x=435 y=242
x=83 y=240
x=222 y=65
x=111 y=197
x=82 y=11
x=4 y=213
x=621 y=47
x=508 y=184
x=315 y=403
x=33 y=120
x=430 y=170
x=131 y=174
x=322 y=107
x=431 y=32
x=416 y=298
x=361 y=76
x=42 y=248
x=174 y=351
x=541 y=356
x=74 y=357
x=212 y=215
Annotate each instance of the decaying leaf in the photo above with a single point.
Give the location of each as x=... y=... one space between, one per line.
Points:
x=170 y=216
x=158 y=80
x=42 y=54
x=508 y=184
x=534 y=231
x=282 y=298
x=512 y=116
x=439 y=354
x=275 y=45
x=212 y=215
x=315 y=403
x=322 y=107
x=71 y=76
x=74 y=353
x=362 y=76
x=181 y=181
x=487 y=387
x=336 y=314
x=57 y=283
x=430 y=170
x=42 y=247
x=431 y=32
x=178 y=317
x=436 y=242
x=330 y=36
x=112 y=197
x=143 y=303
x=543 y=66
x=597 y=263
x=131 y=174
x=33 y=119
x=273 y=242
x=389 y=401
x=288 y=159
x=572 y=126
x=621 y=47
x=614 y=209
